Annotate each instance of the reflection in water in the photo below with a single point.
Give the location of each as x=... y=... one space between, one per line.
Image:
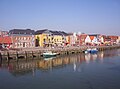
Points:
x=49 y=58
x=87 y=57
x=29 y=67
x=20 y=68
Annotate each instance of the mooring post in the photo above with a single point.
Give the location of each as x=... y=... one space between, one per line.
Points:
x=17 y=55
x=32 y=55
x=39 y=53
x=8 y=56
x=25 y=55
x=0 y=58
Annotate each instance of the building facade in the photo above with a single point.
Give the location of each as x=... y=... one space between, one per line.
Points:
x=3 y=33
x=22 y=38
x=49 y=38
x=5 y=42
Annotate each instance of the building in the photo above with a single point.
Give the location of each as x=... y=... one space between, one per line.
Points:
x=82 y=39
x=49 y=38
x=118 y=40
x=5 y=42
x=93 y=39
x=110 y=40
x=72 y=39
x=113 y=39
x=22 y=38
x=3 y=33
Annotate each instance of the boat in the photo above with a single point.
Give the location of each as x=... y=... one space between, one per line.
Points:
x=92 y=50
x=49 y=54
x=87 y=50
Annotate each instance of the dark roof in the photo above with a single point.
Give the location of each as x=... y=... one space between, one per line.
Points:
x=40 y=31
x=53 y=32
x=94 y=34
x=22 y=31
x=59 y=33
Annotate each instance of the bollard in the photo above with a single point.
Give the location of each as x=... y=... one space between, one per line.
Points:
x=32 y=55
x=25 y=55
x=8 y=56
x=0 y=57
x=16 y=55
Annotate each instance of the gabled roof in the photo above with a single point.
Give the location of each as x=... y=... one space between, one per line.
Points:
x=6 y=39
x=91 y=37
x=21 y=31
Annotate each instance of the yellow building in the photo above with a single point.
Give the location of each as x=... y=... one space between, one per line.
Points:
x=47 y=38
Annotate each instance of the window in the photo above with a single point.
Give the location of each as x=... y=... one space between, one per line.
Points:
x=44 y=40
x=24 y=38
x=49 y=40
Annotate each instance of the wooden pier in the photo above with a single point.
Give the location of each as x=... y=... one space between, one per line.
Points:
x=31 y=54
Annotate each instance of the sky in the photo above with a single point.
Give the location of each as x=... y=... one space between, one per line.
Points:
x=86 y=16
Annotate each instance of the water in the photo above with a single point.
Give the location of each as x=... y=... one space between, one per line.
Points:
x=79 y=71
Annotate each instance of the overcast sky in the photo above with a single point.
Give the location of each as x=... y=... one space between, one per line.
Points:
x=88 y=16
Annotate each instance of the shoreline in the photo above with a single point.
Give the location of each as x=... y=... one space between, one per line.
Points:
x=28 y=53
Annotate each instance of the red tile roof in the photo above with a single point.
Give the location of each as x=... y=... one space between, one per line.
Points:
x=6 y=40
x=91 y=37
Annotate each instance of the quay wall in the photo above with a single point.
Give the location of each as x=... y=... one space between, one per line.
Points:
x=31 y=53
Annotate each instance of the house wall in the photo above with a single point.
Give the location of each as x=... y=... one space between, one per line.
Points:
x=58 y=40
x=52 y=40
x=23 y=41
x=87 y=40
x=3 y=33
x=95 y=41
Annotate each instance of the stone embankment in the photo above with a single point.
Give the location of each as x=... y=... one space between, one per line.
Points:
x=30 y=53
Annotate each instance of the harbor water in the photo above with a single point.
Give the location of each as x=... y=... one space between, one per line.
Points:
x=75 y=71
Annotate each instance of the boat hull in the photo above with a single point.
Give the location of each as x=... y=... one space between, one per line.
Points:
x=91 y=51
x=47 y=55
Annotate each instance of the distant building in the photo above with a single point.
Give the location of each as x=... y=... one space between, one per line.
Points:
x=90 y=39
x=113 y=39
x=110 y=40
x=22 y=38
